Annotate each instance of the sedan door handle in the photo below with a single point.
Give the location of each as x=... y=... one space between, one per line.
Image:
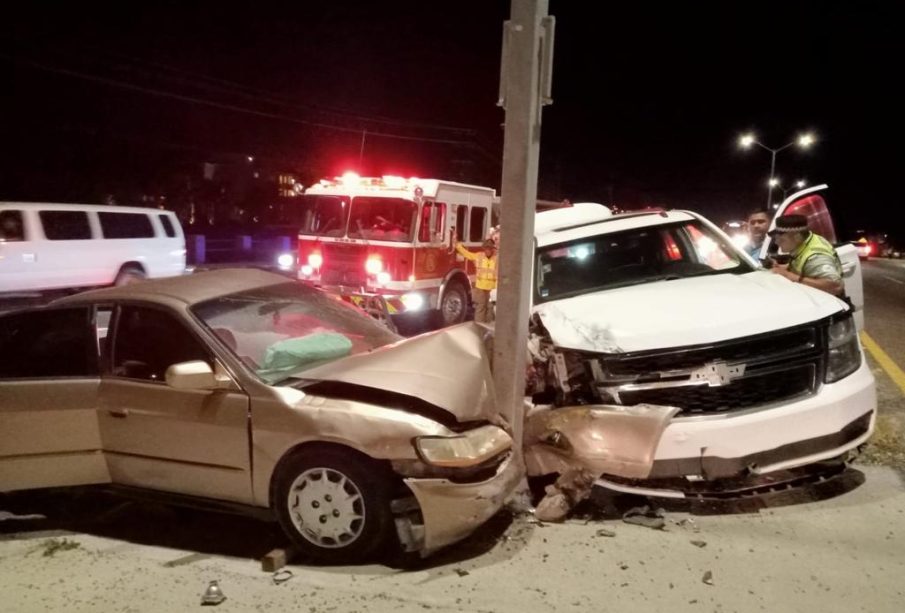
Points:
x=120 y=413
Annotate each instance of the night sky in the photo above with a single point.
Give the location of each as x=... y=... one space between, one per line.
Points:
x=649 y=100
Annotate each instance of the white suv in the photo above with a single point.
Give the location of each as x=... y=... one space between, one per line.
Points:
x=660 y=308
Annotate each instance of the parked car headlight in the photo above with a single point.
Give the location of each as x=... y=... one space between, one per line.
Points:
x=843 y=352
x=467 y=449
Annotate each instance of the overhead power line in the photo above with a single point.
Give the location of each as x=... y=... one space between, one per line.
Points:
x=225 y=106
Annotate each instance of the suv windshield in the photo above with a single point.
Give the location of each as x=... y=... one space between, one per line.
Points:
x=384 y=219
x=280 y=330
x=630 y=257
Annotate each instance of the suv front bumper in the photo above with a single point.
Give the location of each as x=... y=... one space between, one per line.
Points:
x=838 y=418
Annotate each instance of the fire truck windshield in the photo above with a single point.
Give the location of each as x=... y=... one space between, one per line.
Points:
x=323 y=215
x=383 y=219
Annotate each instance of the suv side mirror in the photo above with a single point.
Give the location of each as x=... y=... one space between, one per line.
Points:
x=194 y=375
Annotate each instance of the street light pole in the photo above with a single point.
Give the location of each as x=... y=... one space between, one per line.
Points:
x=771 y=182
x=525 y=75
x=804 y=141
x=797 y=185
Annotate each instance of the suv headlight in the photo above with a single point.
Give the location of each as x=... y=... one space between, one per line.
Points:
x=467 y=449
x=843 y=352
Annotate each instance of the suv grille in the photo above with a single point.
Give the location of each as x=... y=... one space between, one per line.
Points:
x=757 y=370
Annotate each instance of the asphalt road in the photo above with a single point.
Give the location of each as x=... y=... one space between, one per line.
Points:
x=884 y=305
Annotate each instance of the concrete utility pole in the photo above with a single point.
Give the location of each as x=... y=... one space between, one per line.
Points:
x=525 y=77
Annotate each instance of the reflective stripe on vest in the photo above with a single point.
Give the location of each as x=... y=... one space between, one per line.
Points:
x=813 y=245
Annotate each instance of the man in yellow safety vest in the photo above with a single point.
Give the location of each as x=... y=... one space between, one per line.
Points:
x=485 y=261
x=813 y=259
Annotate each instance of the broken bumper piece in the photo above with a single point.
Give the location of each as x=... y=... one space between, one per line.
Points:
x=450 y=511
x=599 y=439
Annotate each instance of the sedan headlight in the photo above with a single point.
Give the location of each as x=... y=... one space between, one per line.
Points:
x=843 y=352
x=467 y=449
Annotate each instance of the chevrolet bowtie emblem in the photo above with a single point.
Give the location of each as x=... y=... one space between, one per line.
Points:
x=718 y=373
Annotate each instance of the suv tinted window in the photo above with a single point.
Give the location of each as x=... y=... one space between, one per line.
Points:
x=167 y=225
x=53 y=343
x=126 y=225
x=65 y=225
x=149 y=341
x=11 y=228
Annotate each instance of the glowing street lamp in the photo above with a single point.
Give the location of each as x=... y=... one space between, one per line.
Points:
x=804 y=141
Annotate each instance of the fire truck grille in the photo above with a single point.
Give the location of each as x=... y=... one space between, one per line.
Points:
x=343 y=265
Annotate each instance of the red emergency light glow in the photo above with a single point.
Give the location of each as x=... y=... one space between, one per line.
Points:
x=373 y=265
x=315 y=259
x=350 y=178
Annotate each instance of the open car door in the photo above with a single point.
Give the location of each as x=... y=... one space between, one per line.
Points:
x=810 y=203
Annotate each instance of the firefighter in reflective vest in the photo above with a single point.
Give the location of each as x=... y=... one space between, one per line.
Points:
x=813 y=259
x=485 y=281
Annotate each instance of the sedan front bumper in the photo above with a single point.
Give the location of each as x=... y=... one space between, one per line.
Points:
x=451 y=511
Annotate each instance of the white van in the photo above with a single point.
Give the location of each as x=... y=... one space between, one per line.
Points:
x=47 y=246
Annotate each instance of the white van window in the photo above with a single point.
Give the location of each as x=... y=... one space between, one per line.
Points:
x=65 y=225
x=11 y=228
x=126 y=225
x=167 y=225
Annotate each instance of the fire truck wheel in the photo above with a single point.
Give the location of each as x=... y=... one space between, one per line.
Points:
x=453 y=305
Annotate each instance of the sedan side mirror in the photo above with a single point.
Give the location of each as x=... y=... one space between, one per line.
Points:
x=194 y=375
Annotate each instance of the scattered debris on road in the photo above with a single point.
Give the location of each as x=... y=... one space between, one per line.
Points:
x=707 y=578
x=53 y=546
x=700 y=544
x=605 y=532
x=282 y=576
x=645 y=516
x=462 y=572
x=213 y=595
x=570 y=488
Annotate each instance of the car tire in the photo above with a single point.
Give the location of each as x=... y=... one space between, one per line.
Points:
x=128 y=275
x=453 y=306
x=334 y=504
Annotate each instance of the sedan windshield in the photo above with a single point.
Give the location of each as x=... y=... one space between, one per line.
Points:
x=280 y=330
x=631 y=257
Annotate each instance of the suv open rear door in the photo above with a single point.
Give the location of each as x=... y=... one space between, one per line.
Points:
x=810 y=203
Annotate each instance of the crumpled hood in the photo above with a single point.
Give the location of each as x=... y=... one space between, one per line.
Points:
x=449 y=369
x=683 y=312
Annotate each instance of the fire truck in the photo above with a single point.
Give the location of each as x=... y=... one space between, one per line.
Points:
x=393 y=237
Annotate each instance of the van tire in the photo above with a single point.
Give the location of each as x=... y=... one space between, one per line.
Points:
x=129 y=274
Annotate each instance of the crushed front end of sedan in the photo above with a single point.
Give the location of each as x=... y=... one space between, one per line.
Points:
x=241 y=389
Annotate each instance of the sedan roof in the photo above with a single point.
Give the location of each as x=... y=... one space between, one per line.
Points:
x=188 y=289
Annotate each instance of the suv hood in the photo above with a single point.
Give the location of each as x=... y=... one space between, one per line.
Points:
x=683 y=312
